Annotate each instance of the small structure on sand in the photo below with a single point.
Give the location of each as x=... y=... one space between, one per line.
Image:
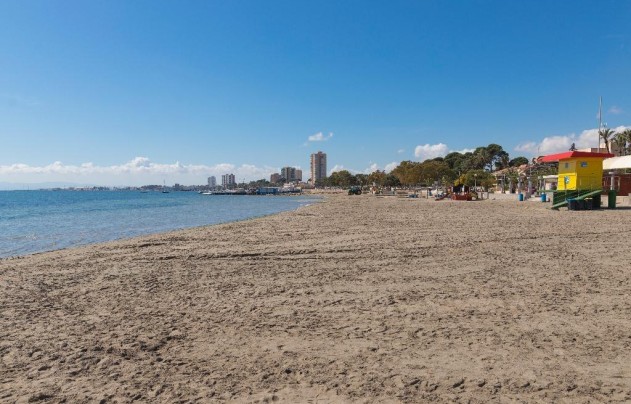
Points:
x=580 y=178
x=462 y=193
x=618 y=176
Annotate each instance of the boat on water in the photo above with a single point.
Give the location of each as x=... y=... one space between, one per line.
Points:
x=238 y=191
x=164 y=190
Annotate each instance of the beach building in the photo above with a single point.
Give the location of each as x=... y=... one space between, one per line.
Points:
x=578 y=170
x=615 y=170
x=275 y=178
x=288 y=173
x=580 y=179
x=212 y=181
x=228 y=181
x=318 y=166
x=268 y=190
x=291 y=174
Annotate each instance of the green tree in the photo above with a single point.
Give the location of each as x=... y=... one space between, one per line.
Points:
x=605 y=134
x=259 y=183
x=391 y=180
x=468 y=162
x=408 y=172
x=503 y=161
x=452 y=159
x=622 y=141
x=480 y=159
x=478 y=177
x=490 y=157
x=323 y=182
x=341 y=178
x=433 y=170
x=377 y=177
x=457 y=161
x=360 y=179
x=518 y=161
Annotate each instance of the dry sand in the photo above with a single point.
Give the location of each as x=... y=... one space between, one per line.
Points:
x=358 y=299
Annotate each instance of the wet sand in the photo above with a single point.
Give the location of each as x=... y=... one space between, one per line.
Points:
x=357 y=299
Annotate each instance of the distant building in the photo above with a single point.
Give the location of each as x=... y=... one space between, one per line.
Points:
x=298 y=175
x=212 y=181
x=275 y=178
x=228 y=181
x=318 y=166
x=288 y=173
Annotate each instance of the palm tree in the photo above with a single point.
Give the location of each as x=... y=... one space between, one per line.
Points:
x=605 y=134
x=627 y=133
x=622 y=141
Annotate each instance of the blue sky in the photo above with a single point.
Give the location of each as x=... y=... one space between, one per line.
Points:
x=129 y=92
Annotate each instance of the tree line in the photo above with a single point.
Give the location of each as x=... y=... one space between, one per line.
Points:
x=469 y=168
x=618 y=140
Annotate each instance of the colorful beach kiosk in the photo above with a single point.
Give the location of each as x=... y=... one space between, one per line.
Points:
x=580 y=179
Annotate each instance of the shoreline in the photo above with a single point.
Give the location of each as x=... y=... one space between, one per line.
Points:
x=130 y=238
x=354 y=299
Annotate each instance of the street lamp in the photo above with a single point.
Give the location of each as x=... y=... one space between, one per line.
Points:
x=475 y=182
x=611 y=185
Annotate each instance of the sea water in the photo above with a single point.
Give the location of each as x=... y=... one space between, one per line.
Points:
x=36 y=221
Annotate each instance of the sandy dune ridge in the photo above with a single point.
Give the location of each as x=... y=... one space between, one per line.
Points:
x=357 y=299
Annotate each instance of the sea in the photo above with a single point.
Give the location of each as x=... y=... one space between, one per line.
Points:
x=37 y=221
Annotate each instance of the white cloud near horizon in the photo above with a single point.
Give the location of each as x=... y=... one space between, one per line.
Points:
x=336 y=168
x=390 y=166
x=368 y=170
x=138 y=171
x=463 y=151
x=430 y=151
x=560 y=143
x=320 y=137
x=373 y=167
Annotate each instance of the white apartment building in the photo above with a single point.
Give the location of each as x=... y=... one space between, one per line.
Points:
x=228 y=181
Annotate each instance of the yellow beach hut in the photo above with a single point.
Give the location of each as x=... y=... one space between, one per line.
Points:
x=580 y=176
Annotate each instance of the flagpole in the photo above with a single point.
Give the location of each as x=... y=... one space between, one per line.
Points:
x=600 y=119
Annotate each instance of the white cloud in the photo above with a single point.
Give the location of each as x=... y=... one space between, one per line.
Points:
x=337 y=167
x=368 y=170
x=138 y=171
x=463 y=151
x=391 y=166
x=320 y=137
x=373 y=167
x=401 y=151
x=560 y=143
x=527 y=147
x=614 y=110
x=427 y=151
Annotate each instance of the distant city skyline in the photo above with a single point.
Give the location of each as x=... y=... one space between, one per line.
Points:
x=129 y=93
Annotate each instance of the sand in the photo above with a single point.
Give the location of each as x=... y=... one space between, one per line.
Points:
x=357 y=299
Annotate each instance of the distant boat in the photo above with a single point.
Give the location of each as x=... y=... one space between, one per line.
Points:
x=164 y=190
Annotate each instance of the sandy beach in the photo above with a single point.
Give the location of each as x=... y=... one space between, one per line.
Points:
x=356 y=299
